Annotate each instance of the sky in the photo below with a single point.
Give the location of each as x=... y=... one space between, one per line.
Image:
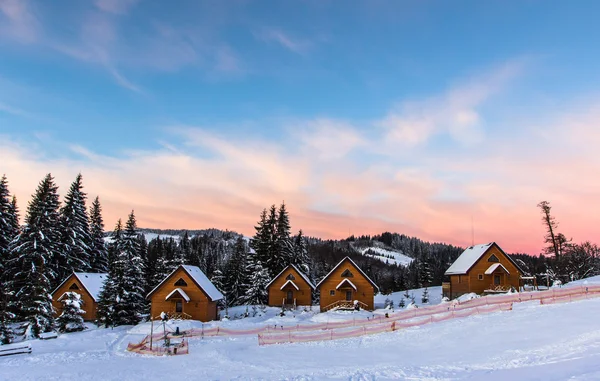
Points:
x=434 y=119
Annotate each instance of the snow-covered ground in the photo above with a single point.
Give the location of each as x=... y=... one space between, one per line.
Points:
x=532 y=342
x=385 y=255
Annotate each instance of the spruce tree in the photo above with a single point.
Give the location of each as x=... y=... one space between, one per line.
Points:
x=109 y=295
x=70 y=320
x=300 y=258
x=98 y=249
x=284 y=254
x=130 y=286
x=236 y=277
x=75 y=231
x=30 y=270
x=9 y=229
x=258 y=278
x=273 y=260
x=261 y=241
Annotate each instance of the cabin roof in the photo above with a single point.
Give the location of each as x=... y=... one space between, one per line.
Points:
x=346 y=280
x=312 y=286
x=199 y=278
x=471 y=255
x=181 y=292
x=493 y=268
x=290 y=282
x=356 y=266
x=92 y=282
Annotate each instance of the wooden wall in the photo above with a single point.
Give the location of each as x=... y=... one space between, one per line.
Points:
x=365 y=291
x=199 y=307
x=471 y=283
x=276 y=295
x=89 y=306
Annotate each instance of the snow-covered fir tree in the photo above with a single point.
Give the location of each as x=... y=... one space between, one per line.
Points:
x=71 y=319
x=131 y=303
x=261 y=241
x=109 y=295
x=284 y=254
x=8 y=232
x=98 y=249
x=218 y=280
x=300 y=258
x=75 y=231
x=258 y=278
x=273 y=260
x=424 y=272
x=29 y=271
x=236 y=277
x=425 y=296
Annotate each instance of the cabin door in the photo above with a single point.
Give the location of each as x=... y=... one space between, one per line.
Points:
x=348 y=295
x=497 y=280
x=178 y=306
x=290 y=297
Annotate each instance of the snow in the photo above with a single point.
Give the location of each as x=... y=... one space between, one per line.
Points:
x=467 y=259
x=523 y=344
x=181 y=292
x=397 y=258
x=92 y=282
x=289 y=282
x=435 y=297
x=346 y=281
x=493 y=268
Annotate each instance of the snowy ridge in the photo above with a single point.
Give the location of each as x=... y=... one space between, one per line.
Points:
x=385 y=255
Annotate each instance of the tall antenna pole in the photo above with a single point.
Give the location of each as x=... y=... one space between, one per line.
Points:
x=472 y=232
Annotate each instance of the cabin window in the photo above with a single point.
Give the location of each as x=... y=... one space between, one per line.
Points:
x=480 y=276
x=178 y=306
x=493 y=258
x=180 y=282
x=347 y=274
x=290 y=277
x=332 y=293
x=74 y=286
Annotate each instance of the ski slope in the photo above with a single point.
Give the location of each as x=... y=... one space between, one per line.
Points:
x=385 y=255
x=532 y=342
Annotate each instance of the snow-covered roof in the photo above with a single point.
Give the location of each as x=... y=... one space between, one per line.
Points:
x=92 y=282
x=493 y=268
x=292 y=283
x=467 y=259
x=181 y=292
x=199 y=278
x=356 y=266
x=298 y=271
x=346 y=281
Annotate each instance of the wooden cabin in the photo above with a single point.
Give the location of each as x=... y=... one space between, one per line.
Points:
x=344 y=285
x=186 y=293
x=87 y=285
x=482 y=269
x=290 y=288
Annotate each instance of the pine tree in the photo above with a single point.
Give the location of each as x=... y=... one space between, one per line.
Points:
x=110 y=293
x=218 y=280
x=258 y=278
x=75 y=231
x=98 y=249
x=262 y=238
x=284 y=254
x=30 y=270
x=300 y=258
x=130 y=288
x=236 y=279
x=70 y=320
x=9 y=229
x=425 y=296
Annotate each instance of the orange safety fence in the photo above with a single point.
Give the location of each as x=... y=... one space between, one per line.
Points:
x=546 y=297
x=335 y=334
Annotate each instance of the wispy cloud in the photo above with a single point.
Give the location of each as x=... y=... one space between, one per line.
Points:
x=119 y=7
x=293 y=44
x=19 y=22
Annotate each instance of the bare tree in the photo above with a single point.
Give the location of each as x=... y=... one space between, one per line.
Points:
x=551 y=226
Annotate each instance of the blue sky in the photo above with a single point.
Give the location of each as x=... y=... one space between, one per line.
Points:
x=426 y=101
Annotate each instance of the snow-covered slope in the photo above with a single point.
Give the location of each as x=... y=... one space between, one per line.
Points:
x=523 y=344
x=385 y=255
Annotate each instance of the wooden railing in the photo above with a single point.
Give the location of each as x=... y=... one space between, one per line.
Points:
x=175 y=316
x=345 y=304
x=285 y=305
